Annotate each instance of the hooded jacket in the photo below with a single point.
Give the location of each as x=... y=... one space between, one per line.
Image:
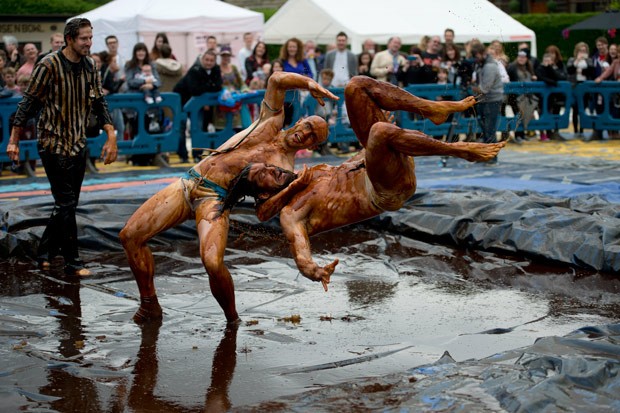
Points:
x=170 y=72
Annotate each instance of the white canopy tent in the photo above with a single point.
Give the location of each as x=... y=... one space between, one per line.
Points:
x=321 y=20
x=186 y=22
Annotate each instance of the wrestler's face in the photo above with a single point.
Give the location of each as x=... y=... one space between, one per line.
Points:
x=307 y=132
x=269 y=178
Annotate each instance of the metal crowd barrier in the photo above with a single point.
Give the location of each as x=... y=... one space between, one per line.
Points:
x=141 y=141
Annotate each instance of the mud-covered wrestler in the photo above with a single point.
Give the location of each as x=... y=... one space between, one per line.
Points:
x=201 y=192
x=380 y=178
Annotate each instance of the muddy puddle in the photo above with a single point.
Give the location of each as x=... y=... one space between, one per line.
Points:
x=394 y=303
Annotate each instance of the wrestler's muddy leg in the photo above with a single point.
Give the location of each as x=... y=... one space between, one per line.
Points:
x=213 y=234
x=366 y=98
x=163 y=210
x=389 y=149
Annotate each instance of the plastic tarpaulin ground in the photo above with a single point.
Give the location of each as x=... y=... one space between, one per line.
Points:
x=468 y=269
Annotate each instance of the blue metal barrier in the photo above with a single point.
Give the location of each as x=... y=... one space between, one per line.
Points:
x=603 y=118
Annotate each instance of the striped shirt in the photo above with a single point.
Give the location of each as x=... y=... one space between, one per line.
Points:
x=65 y=93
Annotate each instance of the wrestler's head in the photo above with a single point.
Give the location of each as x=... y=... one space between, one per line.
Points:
x=259 y=181
x=307 y=133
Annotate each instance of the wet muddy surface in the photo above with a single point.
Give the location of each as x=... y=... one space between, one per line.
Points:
x=394 y=303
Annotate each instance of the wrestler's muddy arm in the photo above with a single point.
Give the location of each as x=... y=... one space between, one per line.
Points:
x=294 y=227
x=280 y=82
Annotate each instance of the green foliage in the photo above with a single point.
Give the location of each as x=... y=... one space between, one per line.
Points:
x=549 y=27
x=514 y=6
x=267 y=12
x=26 y=7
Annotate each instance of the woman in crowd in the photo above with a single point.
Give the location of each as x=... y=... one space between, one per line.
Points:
x=363 y=64
x=161 y=38
x=255 y=61
x=522 y=70
x=451 y=61
x=579 y=68
x=551 y=71
x=292 y=57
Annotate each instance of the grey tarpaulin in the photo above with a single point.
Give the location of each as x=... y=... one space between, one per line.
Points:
x=575 y=373
x=582 y=230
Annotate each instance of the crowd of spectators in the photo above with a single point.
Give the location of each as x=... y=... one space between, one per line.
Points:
x=433 y=60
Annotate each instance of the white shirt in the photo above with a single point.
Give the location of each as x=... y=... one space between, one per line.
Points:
x=341 y=69
x=243 y=54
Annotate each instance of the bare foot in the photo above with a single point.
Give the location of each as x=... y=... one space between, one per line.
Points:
x=475 y=151
x=443 y=109
x=149 y=310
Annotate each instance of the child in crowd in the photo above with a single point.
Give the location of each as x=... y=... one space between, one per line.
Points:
x=22 y=83
x=8 y=75
x=150 y=95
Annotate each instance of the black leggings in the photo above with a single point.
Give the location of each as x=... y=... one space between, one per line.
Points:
x=65 y=174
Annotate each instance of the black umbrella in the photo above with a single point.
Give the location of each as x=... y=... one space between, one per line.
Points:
x=604 y=21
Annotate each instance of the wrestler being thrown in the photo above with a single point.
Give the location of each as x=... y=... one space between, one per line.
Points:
x=380 y=178
x=202 y=192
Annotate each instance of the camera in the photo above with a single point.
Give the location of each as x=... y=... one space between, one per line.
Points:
x=412 y=58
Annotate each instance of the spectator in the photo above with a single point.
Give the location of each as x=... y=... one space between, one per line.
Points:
x=432 y=54
x=30 y=58
x=204 y=76
x=246 y=51
x=136 y=81
x=315 y=61
x=364 y=61
x=64 y=111
x=292 y=57
x=415 y=71
x=2 y=66
x=489 y=84
x=15 y=60
x=151 y=95
x=169 y=69
x=521 y=70
x=23 y=81
x=56 y=42
x=601 y=57
x=10 y=81
x=551 y=72
x=448 y=37
x=276 y=66
x=370 y=47
x=579 y=68
x=342 y=61
x=256 y=61
x=423 y=43
x=525 y=46
x=612 y=73
x=386 y=64
x=231 y=76
x=451 y=61
x=116 y=61
x=161 y=39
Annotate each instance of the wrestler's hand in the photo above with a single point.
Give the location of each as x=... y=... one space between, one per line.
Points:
x=389 y=116
x=319 y=92
x=324 y=274
x=304 y=177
